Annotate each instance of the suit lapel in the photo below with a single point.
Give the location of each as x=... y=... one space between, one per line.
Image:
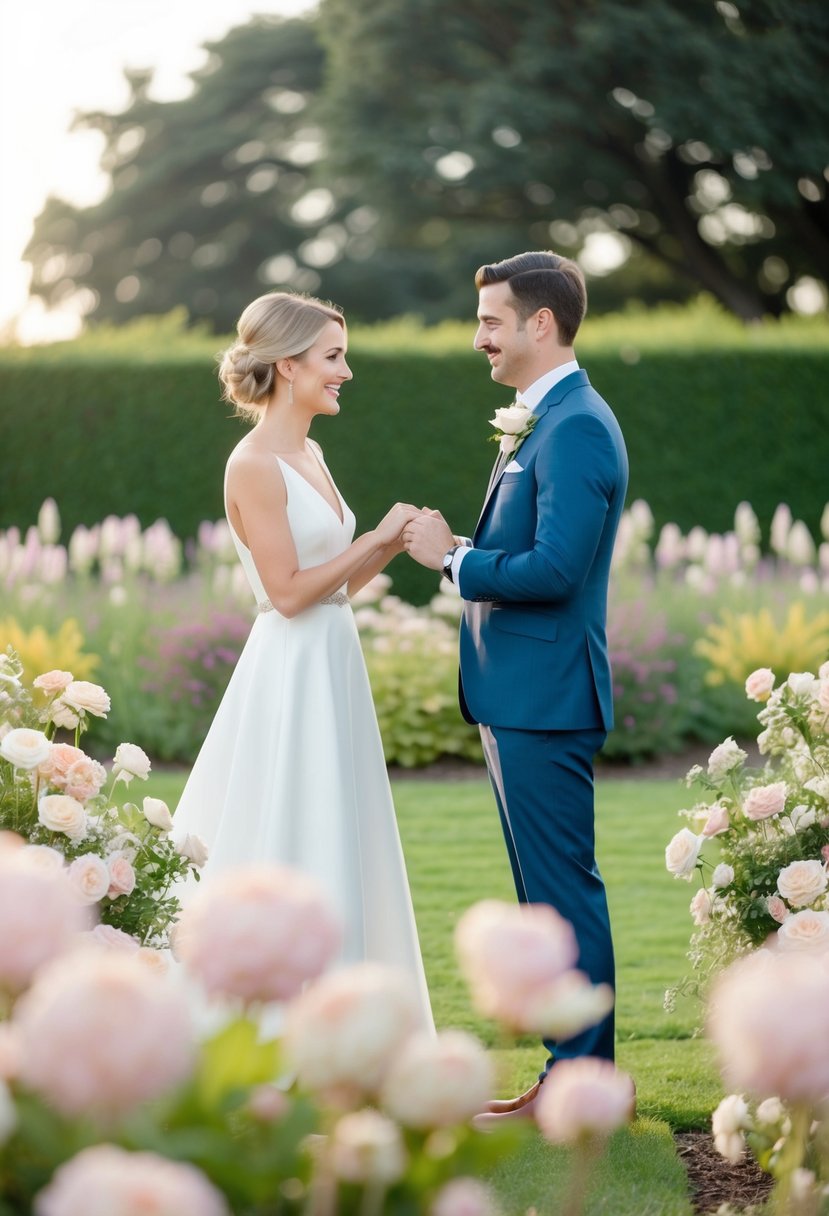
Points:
x=555 y=396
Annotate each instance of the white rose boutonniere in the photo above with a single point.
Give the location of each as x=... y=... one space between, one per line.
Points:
x=513 y=424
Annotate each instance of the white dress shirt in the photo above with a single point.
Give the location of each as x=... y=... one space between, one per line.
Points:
x=531 y=397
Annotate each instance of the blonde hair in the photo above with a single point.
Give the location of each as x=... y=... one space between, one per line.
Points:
x=279 y=325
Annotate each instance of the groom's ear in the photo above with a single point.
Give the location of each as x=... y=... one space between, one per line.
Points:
x=545 y=324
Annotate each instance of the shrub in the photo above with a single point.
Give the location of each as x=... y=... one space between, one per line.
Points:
x=39 y=650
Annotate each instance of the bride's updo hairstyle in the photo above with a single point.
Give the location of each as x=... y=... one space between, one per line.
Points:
x=279 y=325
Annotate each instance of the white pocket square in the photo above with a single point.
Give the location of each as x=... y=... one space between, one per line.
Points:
x=514 y=467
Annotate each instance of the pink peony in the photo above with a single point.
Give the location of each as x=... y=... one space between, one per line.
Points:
x=584 y=1099
x=109 y=1181
x=268 y=1104
x=508 y=954
x=39 y=918
x=121 y=877
x=52 y=682
x=114 y=939
x=343 y=1032
x=769 y=1020
x=759 y=684
x=765 y=800
x=89 y=878
x=258 y=933
x=101 y=1034
x=367 y=1147
x=437 y=1081
x=564 y=1007
x=464 y=1197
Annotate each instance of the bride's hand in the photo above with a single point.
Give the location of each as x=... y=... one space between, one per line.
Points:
x=390 y=528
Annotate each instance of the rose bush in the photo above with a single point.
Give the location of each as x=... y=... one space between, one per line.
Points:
x=767 y=884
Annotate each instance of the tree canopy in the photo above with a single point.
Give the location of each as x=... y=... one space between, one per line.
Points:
x=379 y=150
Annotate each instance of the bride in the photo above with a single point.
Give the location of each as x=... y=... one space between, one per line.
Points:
x=292 y=769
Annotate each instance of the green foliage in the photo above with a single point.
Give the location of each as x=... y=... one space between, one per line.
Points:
x=705 y=427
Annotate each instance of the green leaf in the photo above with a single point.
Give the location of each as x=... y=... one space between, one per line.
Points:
x=236 y=1059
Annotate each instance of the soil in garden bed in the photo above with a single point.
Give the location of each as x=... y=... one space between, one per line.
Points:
x=715 y=1181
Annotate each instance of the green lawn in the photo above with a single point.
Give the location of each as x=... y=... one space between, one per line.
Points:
x=455 y=855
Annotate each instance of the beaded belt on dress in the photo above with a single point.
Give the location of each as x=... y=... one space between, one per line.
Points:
x=339 y=598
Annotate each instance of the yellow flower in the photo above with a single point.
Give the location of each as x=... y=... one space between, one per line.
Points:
x=740 y=643
x=41 y=651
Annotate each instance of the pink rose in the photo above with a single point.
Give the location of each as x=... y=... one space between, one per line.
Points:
x=39 y=918
x=258 y=933
x=765 y=800
x=802 y=882
x=101 y=1034
x=508 y=953
x=52 y=682
x=344 y=1031
x=584 y=1099
x=701 y=906
x=718 y=820
x=777 y=909
x=769 y=1020
x=759 y=684
x=84 y=779
x=437 y=1081
x=805 y=931
x=86 y=698
x=89 y=878
x=58 y=763
x=121 y=877
x=109 y=1179
x=268 y=1104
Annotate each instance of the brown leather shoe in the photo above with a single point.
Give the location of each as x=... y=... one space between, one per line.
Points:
x=506 y=1105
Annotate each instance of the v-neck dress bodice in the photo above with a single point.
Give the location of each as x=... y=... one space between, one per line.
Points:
x=292 y=769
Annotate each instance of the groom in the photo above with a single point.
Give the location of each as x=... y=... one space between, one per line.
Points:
x=534 y=671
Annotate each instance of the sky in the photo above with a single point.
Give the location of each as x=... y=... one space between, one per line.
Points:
x=62 y=57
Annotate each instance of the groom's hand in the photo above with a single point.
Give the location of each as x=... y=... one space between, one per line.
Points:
x=428 y=538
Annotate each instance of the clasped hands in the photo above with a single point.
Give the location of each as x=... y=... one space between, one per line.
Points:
x=422 y=532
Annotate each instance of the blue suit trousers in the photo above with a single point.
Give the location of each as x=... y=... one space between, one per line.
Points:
x=543 y=784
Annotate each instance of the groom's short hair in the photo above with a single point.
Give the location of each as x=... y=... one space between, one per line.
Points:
x=542 y=280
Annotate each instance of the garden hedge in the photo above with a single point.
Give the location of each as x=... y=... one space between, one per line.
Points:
x=120 y=434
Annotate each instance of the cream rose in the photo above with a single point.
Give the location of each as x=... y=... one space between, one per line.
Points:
x=802 y=683
x=89 y=878
x=723 y=876
x=802 y=882
x=765 y=800
x=701 y=906
x=367 y=1147
x=682 y=853
x=724 y=758
x=25 y=748
x=805 y=930
x=759 y=684
x=158 y=814
x=193 y=848
x=511 y=419
x=59 y=813
x=52 y=682
x=130 y=761
x=63 y=715
x=87 y=698
x=728 y=1122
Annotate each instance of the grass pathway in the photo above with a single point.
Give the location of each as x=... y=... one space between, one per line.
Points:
x=455 y=856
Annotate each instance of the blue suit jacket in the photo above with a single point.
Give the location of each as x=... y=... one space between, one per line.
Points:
x=533 y=645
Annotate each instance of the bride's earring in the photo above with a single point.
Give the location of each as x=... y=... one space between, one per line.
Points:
x=290 y=393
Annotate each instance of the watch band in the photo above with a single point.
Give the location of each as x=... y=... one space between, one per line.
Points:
x=448 y=557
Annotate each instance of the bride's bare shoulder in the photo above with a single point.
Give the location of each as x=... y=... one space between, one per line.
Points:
x=249 y=464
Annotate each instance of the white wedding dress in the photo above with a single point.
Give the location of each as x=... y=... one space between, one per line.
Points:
x=292 y=769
